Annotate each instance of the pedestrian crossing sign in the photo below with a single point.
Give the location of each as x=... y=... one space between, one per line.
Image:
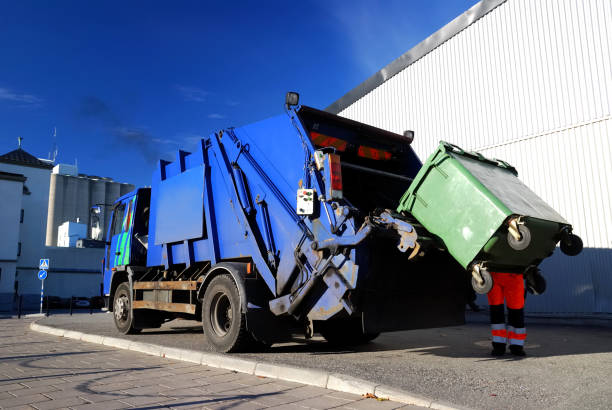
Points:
x=44 y=264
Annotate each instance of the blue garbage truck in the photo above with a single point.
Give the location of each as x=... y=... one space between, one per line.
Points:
x=282 y=227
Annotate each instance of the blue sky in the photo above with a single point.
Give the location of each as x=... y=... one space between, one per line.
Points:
x=127 y=83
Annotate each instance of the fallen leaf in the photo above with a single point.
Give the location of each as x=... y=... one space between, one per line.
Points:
x=373 y=396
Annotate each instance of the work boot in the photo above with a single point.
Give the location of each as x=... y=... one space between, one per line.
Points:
x=499 y=349
x=517 y=350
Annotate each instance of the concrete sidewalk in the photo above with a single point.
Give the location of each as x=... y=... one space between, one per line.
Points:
x=567 y=367
x=48 y=372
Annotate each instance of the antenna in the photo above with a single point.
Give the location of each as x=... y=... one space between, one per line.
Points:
x=54 y=158
x=19 y=139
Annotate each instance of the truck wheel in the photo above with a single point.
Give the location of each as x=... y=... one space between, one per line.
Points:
x=522 y=243
x=122 y=312
x=487 y=284
x=571 y=245
x=345 y=333
x=223 y=323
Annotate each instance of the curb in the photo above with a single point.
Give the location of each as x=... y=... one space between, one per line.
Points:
x=311 y=377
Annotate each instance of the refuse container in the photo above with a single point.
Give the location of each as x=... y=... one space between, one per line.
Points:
x=486 y=217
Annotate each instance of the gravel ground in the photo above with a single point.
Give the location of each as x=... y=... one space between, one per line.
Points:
x=567 y=366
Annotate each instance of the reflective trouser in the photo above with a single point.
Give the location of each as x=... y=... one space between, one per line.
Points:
x=508 y=286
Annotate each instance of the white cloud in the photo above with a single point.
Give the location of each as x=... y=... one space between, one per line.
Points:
x=376 y=35
x=216 y=116
x=26 y=99
x=194 y=94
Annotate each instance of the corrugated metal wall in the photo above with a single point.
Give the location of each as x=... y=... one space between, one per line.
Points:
x=531 y=83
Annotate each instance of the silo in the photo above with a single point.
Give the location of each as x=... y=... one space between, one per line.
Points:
x=56 y=204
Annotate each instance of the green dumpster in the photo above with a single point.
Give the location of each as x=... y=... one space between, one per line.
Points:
x=485 y=216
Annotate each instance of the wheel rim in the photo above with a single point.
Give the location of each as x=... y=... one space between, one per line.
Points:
x=122 y=308
x=221 y=314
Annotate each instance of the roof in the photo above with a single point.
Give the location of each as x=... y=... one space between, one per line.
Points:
x=416 y=53
x=21 y=157
x=7 y=176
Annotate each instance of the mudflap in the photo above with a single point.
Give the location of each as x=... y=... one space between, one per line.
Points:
x=267 y=328
x=428 y=292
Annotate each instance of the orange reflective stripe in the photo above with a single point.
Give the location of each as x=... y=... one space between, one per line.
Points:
x=499 y=332
x=517 y=336
x=373 y=153
x=323 y=140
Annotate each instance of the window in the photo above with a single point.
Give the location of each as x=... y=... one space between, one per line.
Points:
x=21 y=217
x=19 y=249
x=118 y=220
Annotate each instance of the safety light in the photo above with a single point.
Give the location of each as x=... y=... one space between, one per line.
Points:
x=409 y=135
x=373 y=153
x=334 y=173
x=322 y=140
x=292 y=99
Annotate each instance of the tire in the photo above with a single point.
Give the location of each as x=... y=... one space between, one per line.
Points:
x=486 y=286
x=522 y=243
x=571 y=245
x=223 y=323
x=347 y=332
x=122 y=312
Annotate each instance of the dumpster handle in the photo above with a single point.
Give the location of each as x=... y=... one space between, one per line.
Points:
x=453 y=147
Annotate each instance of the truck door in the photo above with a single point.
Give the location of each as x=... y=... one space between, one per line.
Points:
x=120 y=233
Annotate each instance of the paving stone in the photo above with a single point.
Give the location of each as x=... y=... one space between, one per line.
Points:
x=59 y=404
x=322 y=402
x=19 y=401
x=304 y=392
x=372 y=404
x=107 y=405
x=33 y=390
x=12 y=387
x=147 y=400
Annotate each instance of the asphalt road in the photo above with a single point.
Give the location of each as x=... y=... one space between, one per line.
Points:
x=567 y=367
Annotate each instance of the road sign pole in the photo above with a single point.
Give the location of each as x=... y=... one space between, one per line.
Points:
x=42 y=291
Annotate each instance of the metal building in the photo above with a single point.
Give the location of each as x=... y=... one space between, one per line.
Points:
x=71 y=195
x=529 y=82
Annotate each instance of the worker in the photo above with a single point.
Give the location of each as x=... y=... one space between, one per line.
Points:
x=508 y=286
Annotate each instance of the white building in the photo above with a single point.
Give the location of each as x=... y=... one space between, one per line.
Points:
x=11 y=192
x=529 y=82
x=23 y=218
x=34 y=204
x=69 y=233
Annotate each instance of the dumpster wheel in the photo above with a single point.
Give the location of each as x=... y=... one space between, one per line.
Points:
x=571 y=245
x=535 y=282
x=521 y=241
x=482 y=281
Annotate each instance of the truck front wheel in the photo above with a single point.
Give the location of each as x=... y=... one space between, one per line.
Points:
x=122 y=312
x=223 y=323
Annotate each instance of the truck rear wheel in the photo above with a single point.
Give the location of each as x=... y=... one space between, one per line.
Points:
x=122 y=311
x=223 y=323
x=346 y=332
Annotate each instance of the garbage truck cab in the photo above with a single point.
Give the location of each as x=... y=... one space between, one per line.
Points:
x=280 y=226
